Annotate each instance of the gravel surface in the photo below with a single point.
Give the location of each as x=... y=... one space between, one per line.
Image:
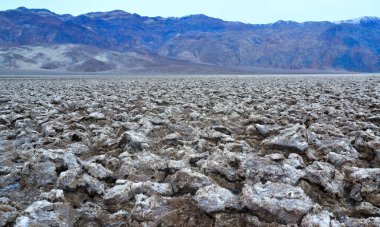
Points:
x=190 y=151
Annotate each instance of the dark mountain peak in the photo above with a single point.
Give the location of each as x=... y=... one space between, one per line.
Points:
x=284 y=23
x=199 y=17
x=115 y=14
x=38 y=11
x=369 y=21
x=21 y=9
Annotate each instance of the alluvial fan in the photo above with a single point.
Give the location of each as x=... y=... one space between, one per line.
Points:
x=190 y=151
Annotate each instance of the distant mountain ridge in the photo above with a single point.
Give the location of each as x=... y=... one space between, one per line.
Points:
x=352 y=45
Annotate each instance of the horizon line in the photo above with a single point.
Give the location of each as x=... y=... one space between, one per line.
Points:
x=197 y=14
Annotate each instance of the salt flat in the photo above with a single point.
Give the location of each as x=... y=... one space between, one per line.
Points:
x=190 y=150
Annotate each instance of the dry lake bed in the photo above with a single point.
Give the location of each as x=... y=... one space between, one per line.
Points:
x=190 y=151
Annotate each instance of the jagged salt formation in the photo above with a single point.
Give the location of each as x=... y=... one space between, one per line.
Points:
x=244 y=151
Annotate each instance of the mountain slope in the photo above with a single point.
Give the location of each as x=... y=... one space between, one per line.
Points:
x=347 y=45
x=70 y=58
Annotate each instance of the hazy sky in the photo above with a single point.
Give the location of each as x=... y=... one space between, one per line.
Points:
x=250 y=11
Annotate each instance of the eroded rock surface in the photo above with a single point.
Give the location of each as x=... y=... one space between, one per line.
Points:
x=207 y=151
x=277 y=201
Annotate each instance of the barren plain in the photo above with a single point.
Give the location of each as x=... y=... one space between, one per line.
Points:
x=190 y=151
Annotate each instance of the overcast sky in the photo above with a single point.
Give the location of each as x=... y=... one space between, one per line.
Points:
x=249 y=11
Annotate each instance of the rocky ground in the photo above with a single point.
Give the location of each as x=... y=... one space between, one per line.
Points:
x=247 y=151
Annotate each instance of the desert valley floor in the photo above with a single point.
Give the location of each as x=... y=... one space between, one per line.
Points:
x=190 y=151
